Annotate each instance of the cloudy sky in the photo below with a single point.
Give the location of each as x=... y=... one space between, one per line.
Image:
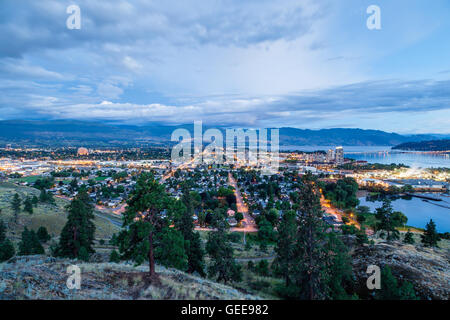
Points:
x=301 y=63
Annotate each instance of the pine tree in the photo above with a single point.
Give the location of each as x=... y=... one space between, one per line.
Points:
x=183 y=221
x=310 y=273
x=43 y=235
x=407 y=291
x=409 y=238
x=389 y=286
x=30 y=243
x=223 y=267
x=170 y=250
x=142 y=220
x=35 y=200
x=6 y=247
x=7 y=250
x=339 y=268
x=28 y=206
x=263 y=268
x=114 y=256
x=390 y=289
x=388 y=222
x=15 y=205
x=285 y=259
x=2 y=231
x=79 y=229
x=430 y=237
x=46 y=197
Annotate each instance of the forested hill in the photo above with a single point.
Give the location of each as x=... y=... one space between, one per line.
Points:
x=433 y=145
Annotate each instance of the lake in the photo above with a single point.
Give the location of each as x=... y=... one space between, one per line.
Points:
x=384 y=155
x=418 y=211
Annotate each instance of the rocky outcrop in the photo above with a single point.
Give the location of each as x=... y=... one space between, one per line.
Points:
x=427 y=269
x=41 y=277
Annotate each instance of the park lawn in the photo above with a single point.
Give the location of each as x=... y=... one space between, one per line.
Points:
x=100 y=178
x=53 y=217
x=30 y=179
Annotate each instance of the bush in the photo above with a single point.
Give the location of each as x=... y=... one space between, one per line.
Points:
x=114 y=257
x=7 y=250
x=234 y=237
x=263 y=268
x=43 y=235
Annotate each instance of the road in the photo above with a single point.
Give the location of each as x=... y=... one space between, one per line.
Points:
x=330 y=209
x=248 y=222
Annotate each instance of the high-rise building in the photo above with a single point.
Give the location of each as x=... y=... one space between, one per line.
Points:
x=339 y=155
x=330 y=155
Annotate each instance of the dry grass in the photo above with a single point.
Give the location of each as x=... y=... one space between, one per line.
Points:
x=53 y=217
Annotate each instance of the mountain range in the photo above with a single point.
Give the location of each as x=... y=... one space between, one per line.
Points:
x=83 y=133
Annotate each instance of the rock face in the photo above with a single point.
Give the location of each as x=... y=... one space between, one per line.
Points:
x=41 y=277
x=427 y=269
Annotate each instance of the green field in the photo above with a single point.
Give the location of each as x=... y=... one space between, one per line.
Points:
x=30 y=179
x=53 y=217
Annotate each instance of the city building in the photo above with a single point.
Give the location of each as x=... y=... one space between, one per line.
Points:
x=82 y=152
x=339 y=155
x=330 y=155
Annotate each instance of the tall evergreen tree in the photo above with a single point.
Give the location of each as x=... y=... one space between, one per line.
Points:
x=183 y=220
x=285 y=249
x=79 y=230
x=223 y=267
x=170 y=249
x=310 y=273
x=15 y=205
x=46 y=197
x=314 y=264
x=43 y=235
x=28 y=205
x=30 y=243
x=35 y=200
x=430 y=237
x=7 y=250
x=387 y=221
x=2 y=231
x=143 y=218
x=339 y=268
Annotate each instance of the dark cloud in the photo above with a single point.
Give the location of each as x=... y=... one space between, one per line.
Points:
x=29 y=25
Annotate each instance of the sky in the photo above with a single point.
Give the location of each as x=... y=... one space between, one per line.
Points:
x=256 y=63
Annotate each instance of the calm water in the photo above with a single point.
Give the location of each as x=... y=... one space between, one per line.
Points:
x=418 y=211
x=384 y=154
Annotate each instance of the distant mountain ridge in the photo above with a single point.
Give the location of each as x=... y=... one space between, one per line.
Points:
x=90 y=134
x=433 y=145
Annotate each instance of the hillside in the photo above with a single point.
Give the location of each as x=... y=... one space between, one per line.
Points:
x=89 y=134
x=427 y=269
x=433 y=145
x=53 y=217
x=41 y=277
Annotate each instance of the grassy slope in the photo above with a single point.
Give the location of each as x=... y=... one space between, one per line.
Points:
x=53 y=217
x=40 y=277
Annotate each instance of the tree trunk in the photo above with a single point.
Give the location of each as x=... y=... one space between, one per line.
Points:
x=151 y=260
